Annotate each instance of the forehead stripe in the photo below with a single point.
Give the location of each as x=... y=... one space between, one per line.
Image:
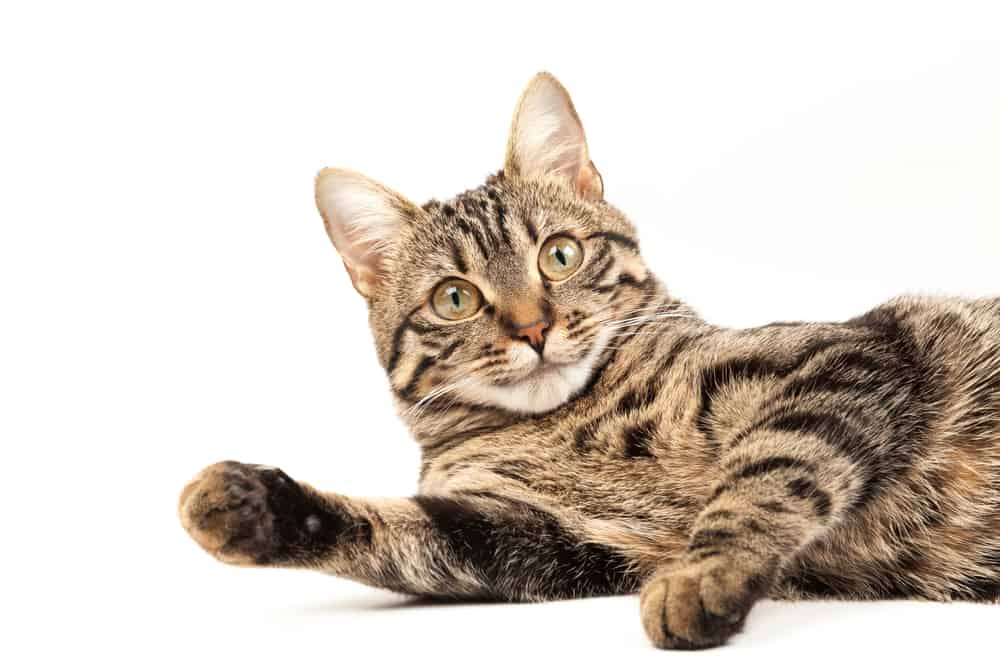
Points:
x=457 y=259
x=482 y=213
x=476 y=236
x=500 y=213
x=530 y=228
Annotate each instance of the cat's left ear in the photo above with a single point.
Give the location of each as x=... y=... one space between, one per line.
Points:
x=547 y=139
x=363 y=219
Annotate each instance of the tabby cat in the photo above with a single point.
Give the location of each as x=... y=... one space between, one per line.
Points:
x=585 y=433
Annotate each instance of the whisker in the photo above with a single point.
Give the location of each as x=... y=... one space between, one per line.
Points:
x=621 y=330
x=634 y=321
x=654 y=331
x=418 y=408
x=627 y=311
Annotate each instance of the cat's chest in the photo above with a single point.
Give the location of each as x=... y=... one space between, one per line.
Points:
x=627 y=451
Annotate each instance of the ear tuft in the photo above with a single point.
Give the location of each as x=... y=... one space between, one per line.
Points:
x=547 y=140
x=362 y=218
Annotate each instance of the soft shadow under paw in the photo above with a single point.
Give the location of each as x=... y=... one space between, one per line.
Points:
x=385 y=601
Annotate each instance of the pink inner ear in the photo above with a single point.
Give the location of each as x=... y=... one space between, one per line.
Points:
x=589 y=183
x=547 y=139
x=364 y=265
x=364 y=279
x=362 y=218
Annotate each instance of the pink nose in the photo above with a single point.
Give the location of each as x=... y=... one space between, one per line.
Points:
x=534 y=335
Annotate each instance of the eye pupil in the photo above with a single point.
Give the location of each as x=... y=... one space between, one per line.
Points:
x=456 y=299
x=560 y=257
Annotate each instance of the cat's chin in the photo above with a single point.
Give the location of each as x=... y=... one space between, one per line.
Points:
x=544 y=389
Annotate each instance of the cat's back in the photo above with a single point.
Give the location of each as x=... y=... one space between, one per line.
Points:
x=935 y=403
x=957 y=342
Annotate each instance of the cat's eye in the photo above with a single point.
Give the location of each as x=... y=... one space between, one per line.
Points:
x=456 y=299
x=560 y=257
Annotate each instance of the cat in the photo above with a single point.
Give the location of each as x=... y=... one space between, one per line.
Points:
x=585 y=433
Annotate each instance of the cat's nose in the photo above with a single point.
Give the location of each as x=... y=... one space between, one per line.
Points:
x=534 y=335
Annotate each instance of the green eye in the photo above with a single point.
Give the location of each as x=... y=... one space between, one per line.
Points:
x=456 y=299
x=561 y=256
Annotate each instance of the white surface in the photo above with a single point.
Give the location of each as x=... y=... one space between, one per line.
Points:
x=169 y=298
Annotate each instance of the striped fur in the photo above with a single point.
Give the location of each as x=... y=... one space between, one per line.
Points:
x=704 y=467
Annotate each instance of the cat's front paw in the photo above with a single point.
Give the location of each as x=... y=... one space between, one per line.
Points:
x=255 y=515
x=700 y=604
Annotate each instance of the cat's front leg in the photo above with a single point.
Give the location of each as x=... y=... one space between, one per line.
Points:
x=476 y=544
x=779 y=490
x=699 y=602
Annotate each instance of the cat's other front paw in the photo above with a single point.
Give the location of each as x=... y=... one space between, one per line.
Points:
x=255 y=515
x=701 y=604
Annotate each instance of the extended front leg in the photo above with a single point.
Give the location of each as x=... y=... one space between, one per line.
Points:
x=474 y=545
x=783 y=485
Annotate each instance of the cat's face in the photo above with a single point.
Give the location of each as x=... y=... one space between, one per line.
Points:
x=507 y=295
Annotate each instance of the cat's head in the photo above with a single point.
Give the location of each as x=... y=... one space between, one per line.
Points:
x=508 y=295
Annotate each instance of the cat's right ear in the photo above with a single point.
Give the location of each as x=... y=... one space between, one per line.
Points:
x=547 y=139
x=363 y=219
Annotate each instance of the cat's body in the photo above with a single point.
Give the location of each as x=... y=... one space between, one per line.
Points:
x=632 y=462
x=588 y=434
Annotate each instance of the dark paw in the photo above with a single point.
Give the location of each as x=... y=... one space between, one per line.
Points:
x=699 y=605
x=255 y=515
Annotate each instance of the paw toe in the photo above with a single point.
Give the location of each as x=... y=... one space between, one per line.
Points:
x=225 y=509
x=695 y=607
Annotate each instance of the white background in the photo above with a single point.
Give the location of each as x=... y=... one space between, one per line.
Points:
x=168 y=297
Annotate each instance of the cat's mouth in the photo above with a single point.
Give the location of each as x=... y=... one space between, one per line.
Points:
x=542 y=371
x=542 y=388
